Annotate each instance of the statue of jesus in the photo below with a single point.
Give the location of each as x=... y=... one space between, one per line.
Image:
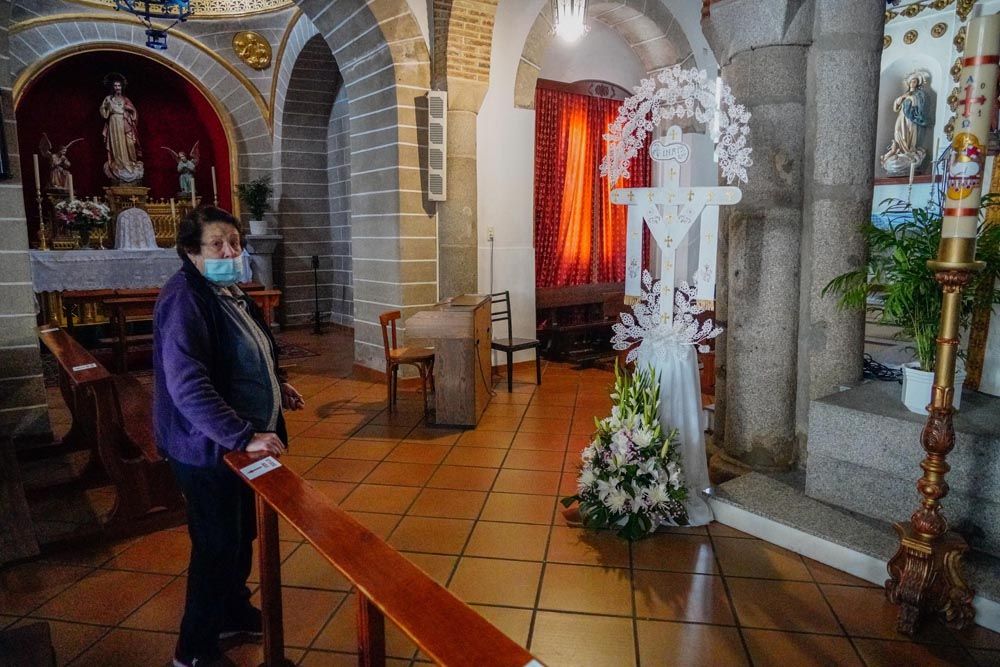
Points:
x=121 y=134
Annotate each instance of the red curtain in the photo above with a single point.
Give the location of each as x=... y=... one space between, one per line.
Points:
x=579 y=234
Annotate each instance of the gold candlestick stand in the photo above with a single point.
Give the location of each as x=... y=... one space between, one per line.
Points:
x=926 y=571
x=43 y=244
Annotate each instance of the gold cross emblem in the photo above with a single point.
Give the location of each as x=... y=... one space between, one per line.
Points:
x=669 y=241
x=672 y=173
x=631 y=196
x=690 y=195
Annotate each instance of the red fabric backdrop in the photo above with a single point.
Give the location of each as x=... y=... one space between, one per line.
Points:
x=63 y=102
x=579 y=234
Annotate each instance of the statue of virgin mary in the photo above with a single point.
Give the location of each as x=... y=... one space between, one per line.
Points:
x=121 y=134
x=912 y=109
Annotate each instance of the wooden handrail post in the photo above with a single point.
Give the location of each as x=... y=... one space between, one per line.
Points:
x=270 y=585
x=371 y=634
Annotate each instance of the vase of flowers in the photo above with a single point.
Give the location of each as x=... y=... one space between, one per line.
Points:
x=82 y=216
x=630 y=475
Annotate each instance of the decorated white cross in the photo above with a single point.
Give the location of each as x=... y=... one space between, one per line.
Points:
x=670 y=210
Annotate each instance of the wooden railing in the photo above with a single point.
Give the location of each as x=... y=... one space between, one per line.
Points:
x=446 y=629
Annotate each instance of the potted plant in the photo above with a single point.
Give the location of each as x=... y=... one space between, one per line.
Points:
x=255 y=195
x=896 y=284
x=82 y=216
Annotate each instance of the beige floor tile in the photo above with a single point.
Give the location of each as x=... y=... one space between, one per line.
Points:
x=251 y=655
x=380 y=498
x=781 y=605
x=317 y=658
x=307 y=568
x=382 y=432
x=335 y=491
x=865 y=612
x=484 y=457
x=587 y=547
x=341 y=470
x=418 y=452
x=380 y=524
x=824 y=574
x=306 y=446
x=466 y=478
x=557 y=399
x=69 y=639
x=675 y=552
x=434 y=436
x=448 y=503
x=490 y=439
x=127 y=648
x=26 y=586
x=89 y=601
x=519 y=508
x=770 y=648
x=552 y=426
x=690 y=645
x=437 y=566
x=305 y=612
x=885 y=653
x=329 y=429
x=505 y=410
x=515 y=623
x=547 y=441
x=755 y=558
x=534 y=459
x=491 y=581
x=341 y=634
x=505 y=423
x=527 y=481
x=574 y=640
x=676 y=596
x=162 y=613
x=285 y=549
x=369 y=450
x=299 y=464
x=593 y=590
x=505 y=398
x=517 y=541
x=722 y=530
x=401 y=474
x=431 y=535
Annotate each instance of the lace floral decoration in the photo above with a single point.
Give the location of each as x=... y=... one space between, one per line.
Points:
x=685 y=93
x=644 y=321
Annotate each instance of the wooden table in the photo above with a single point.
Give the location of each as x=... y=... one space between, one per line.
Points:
x=460 y=333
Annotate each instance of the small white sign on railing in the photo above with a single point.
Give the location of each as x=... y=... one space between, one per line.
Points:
x=258 y=468
x=84 y=367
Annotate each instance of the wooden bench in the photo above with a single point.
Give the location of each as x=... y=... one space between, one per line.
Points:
x=112 y=418
x=574 y=323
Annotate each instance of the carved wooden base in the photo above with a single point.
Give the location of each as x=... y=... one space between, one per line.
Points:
x=926 y=578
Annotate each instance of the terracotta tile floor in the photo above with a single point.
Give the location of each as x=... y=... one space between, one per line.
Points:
x=477 y=510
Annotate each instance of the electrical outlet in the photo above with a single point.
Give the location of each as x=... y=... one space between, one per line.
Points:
x=490 y=233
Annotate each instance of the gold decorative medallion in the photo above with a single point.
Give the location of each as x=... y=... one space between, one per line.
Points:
x=910 y=36
x=956 y=70
x=959 y=40
x=253 y=49
x=939 y=29
x=886 y=42
x=964 y=8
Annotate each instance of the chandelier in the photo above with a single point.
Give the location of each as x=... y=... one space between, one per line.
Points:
x=146 y=10
x=569 y=19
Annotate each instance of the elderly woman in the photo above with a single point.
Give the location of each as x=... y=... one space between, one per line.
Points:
x=218 y=389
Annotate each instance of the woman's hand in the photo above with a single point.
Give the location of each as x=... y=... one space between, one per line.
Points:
x=266 y=443
x=291 y=399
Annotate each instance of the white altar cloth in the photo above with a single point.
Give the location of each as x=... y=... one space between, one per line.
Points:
x=59 y=270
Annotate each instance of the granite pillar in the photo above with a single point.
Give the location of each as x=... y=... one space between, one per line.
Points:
x=842 y=85
x=458 y=237
x=261 y=248
x=762 y=47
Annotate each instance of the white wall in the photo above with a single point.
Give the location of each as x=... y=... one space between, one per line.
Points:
x=505 y=136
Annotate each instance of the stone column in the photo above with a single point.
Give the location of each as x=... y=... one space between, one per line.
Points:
x=842 y=107
x=458 y=238
x=762 y=46
x=261 y=248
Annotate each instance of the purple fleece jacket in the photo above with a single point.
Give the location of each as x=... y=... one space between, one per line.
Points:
x=194 y=423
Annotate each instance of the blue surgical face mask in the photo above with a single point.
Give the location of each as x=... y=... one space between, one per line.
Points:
x=224 y=272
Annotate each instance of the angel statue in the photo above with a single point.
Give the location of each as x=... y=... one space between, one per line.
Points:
x=121 y=133
x=59 y=164
x=912 y=108
x=186 y=164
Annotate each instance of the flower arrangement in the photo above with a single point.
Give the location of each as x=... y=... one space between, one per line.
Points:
x=630 y=478
x=80 y=215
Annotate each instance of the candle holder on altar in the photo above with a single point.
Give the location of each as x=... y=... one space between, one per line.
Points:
x=43 y=243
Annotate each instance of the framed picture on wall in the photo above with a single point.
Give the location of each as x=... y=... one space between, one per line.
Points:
x=5 y=169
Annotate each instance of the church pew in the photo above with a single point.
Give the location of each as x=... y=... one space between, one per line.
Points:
x=576 y=317
x=443 y=627
x=112 y=417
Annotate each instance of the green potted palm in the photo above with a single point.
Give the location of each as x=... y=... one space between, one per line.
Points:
x=255 y=195
x=896 y=285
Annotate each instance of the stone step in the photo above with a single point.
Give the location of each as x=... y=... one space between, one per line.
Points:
x=776 y=509
x=864 y=454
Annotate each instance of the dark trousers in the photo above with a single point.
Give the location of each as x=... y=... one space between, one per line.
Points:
x=222 y=526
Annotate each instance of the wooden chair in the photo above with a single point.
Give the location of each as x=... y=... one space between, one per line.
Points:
x=510 y=345
x=421 y=357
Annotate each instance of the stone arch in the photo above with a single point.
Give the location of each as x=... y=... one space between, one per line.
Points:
x=384 y=62
x=653 y=34
x=312 y=194
x=246 y=126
